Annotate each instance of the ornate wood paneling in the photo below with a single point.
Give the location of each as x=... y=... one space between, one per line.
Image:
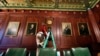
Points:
x=2 y=22
x=96 y=13
x=29 y=40
x=58 y=17
x=13 y=40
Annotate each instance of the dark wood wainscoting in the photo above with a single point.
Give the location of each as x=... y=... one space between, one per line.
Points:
x=58 y=17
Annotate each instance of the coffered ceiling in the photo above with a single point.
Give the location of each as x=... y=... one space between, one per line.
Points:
x=63 y=5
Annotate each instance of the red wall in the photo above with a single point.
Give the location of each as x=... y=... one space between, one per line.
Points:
x=96 y=12
x=62 y=42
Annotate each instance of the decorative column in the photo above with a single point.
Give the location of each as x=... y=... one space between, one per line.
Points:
x=94 y=25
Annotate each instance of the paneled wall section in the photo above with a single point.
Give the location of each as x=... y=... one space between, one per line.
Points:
x=28 y=41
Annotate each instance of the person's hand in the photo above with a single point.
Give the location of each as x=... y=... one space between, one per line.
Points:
x=41 y=43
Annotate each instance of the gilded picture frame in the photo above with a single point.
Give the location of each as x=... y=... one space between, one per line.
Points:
x=83 y=28
x=12 y=29
x=67 y=28
x=31 y=28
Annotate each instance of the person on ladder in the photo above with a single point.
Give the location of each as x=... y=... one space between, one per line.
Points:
x=41 y=35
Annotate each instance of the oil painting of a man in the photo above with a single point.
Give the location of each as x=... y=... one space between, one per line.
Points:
x=31 y=28
x=67 y=29
x=83 y=29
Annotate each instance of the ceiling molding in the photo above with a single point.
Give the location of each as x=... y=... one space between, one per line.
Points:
x=59 y=5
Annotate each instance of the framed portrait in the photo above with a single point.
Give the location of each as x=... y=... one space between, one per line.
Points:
x=31 y=28
x=83 y=28
x=66 y=29
x=12 y=29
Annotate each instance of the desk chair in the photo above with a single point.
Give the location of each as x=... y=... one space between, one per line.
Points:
x=16 y=52
x=47 y=52
x=80 y=51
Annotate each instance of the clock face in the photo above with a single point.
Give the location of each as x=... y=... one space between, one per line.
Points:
x=49 y=22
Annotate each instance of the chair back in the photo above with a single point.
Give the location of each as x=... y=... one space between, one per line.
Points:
x=80 y=51
x=47 y=52
x=16 y=52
